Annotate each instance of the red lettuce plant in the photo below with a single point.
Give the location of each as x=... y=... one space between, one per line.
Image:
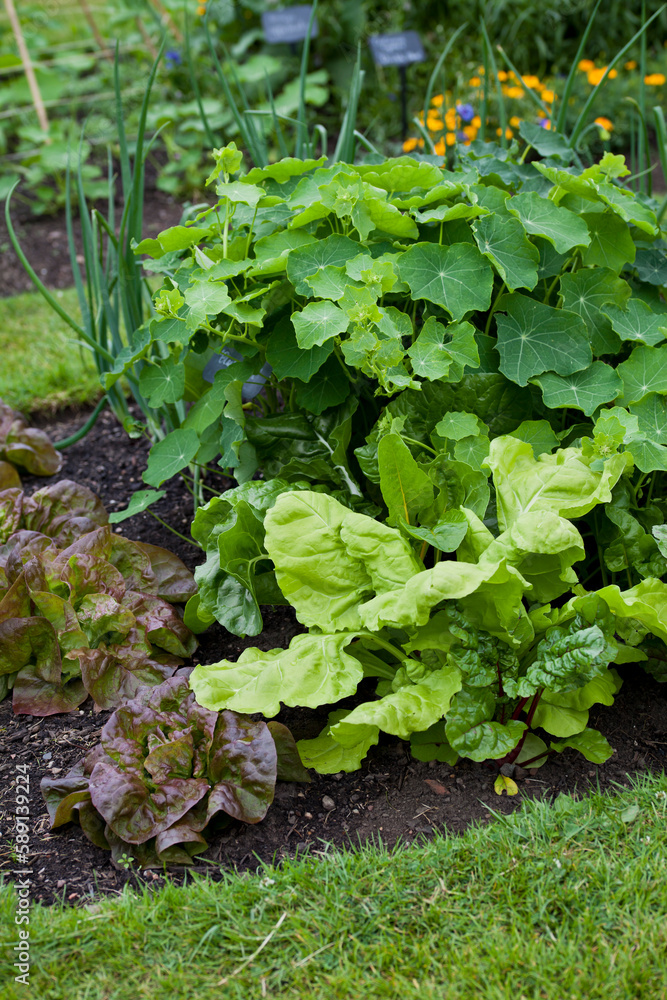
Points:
x=83 y=611
x=23 y=446
x=164 y=768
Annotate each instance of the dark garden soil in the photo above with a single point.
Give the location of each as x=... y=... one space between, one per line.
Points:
x=392 y=797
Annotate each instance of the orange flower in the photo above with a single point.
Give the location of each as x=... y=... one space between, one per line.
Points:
x=440 y=147
x=438 y=100
x=631 y=64
x=604 y=123
x=450 y=119
x=585 y=65
x=434 y=123
x=531 y=81
x=515 y=121
x=548 y=96
x=470 y=131
x=450 y=138
x=508 y=132
x=502 y=76
x=654 y=79
x=516 y=92
x=595 y=75
x=201 y=9
x=474 y=81
x=409 y=145
x=476 y=121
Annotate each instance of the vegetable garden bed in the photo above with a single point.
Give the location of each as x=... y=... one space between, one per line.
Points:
x=393 y=796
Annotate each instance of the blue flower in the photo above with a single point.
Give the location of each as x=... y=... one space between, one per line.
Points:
x=173 y=57
x=544 y=122
x=461 y=136
x=465 y=111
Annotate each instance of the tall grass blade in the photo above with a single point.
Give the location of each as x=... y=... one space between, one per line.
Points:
x=346 y=146
x=438 y=66
x=592 y=97
x=661 y=136
x=561 y=120
x=490 y=64
x=302 y=127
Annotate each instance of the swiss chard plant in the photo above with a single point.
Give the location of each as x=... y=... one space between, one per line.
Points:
x=23 y=447
x=476 y=636
x=83 y=611
x=166 y=771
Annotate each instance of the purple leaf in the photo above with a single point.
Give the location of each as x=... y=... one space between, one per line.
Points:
x=289 y=766
x=115 y=673
x=164 y=627
x=64 y=511
x=11 y=509
x=242 y=768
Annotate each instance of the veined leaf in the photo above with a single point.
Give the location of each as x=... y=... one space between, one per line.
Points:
x=326 y=756
x=542 y=217
x=170 y=455
x=504 y=242
x=638 y=322
x=585 y=390
x=644 y=372
x=590 y=743
x=319 y=322
x=588 y=292
x=288 y=360
x=611 y=244
x=533 y=338
x=457 y=277
x=306 y=260
x=406 y=488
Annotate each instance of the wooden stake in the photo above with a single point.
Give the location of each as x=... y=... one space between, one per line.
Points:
x=97 y=35
x=27 y=65
x=167 y=19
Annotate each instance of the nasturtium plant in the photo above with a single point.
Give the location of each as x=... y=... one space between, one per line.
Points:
x=166 y=771
x=23 y=447
x=338 y=286
x=83 y=611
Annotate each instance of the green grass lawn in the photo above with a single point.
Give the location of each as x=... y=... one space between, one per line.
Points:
x=43 y=367
x=563 y=902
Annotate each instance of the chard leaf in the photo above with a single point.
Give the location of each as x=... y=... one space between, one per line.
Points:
x=533 y=338
x=503 y=240
x=314 y=670
x=406 y=488
x=561 y=483
x=590 y=743
x=329 y=559
x=471 y=731
x=445 y=535
x=568 y=657
x=457 y=277
x=585 y=390
x=646 y=604
x=328 y=387
x=432 y=744
x=411 y=708
x=566 y=713
x=542 y=217
x=326 y=756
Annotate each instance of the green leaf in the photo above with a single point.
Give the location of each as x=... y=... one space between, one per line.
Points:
x=590 y=743
x=406 y=488
x=588 y=292
x=585 y=390
x=329 y=559
x=644 y=372
x=315 y=670
x=651 y=412
x=162 y=382
x=271 y=252
x=611 y=244
x=328 y=387
x=503 y=240
x=538 y=434
x=288 y=360
x=562 y=483
x=568 y=657
x=307 y=260
x=457 y=277
x=533 y=338
x=326 y=756
x=205 y=298
x=432 y=744
x=471 y=731
x=141 y=500
x=646 y=604
x=412 y=708
x=170 y=455
x=445 y=535
x=638 y=322
x=319 y=322
x=331 y=283
x=457 y=424
x=437 y=348
x=283 y=170
x=542 y=217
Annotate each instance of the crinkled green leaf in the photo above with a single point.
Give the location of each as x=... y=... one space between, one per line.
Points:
x=326 y=756
x=471 y=730
x=314 y=670
x=638 y=322
x=588 y=293
x=590 y=743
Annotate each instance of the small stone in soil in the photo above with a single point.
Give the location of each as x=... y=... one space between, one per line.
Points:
x=328 y=803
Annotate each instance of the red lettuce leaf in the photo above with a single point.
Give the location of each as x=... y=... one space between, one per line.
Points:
x=174 y=580
x=164 y=627
x=11 y=510
x=9 y=477
x=242 y=768
x=289 y=766
x=64 y=510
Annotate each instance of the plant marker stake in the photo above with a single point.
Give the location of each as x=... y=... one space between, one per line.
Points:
x=27 y=65
x=97 y=34
x=400 y=49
